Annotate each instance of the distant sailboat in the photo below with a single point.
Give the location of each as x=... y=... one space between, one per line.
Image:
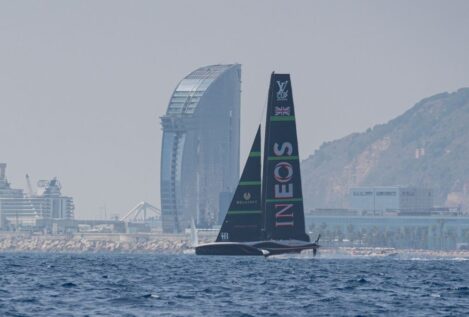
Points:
x=194 y=235
x=266 y=216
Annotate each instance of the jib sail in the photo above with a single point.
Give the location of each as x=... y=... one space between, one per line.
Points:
x=243 y=220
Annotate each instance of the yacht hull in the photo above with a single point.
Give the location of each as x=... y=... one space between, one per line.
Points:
x=227 y=248
x=280 y=247
x=265 y=248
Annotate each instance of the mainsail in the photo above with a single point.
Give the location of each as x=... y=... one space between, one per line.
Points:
x=282 y=198
x=243 y=219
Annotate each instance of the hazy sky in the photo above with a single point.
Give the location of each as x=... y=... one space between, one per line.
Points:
x=83 y=83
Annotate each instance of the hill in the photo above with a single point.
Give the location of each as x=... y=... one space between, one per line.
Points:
x=427 y=146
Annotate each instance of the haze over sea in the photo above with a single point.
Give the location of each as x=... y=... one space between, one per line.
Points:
x=117 y=284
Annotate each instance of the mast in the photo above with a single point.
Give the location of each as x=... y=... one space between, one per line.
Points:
x=243 y=220
x=266 y=235
x=282 y=197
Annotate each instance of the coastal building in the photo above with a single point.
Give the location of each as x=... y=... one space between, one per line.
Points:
x=402 y=199
x=18 y=209
x=200 y=148
x=404 y=231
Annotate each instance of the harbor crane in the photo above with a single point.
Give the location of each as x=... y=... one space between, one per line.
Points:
x=30 y=188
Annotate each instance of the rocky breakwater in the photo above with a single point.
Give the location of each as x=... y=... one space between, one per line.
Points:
x=81 y=244
x=394 y=253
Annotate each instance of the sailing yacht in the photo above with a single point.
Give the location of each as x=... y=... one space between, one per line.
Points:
x=266 y=215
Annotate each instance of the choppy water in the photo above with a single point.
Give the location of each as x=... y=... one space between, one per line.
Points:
x=40 y=284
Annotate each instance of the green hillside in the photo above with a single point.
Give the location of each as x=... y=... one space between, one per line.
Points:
x=426 y=146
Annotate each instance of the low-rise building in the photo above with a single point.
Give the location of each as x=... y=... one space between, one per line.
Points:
x=401 y=199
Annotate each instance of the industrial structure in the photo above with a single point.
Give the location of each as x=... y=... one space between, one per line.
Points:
x=200 y=148
x=141 y=213
x=19 y=209
x=401 y=199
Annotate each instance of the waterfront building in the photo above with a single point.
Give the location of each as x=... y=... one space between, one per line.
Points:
x=405 y=231
x=402 y=199
x=200 y=148
x=18 y=209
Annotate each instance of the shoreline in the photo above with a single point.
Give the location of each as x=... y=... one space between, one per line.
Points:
x=181 y=245
x=383 y=252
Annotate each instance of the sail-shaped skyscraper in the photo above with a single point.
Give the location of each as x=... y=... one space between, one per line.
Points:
x=200 y=148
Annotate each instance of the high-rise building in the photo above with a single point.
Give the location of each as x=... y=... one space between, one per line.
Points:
x=200 y=149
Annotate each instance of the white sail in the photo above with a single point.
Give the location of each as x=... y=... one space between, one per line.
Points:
x=194 y=235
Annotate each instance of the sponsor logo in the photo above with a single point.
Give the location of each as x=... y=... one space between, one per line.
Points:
x=282 y=92
x=282 y=111
x=224 y=235
x=246 y=200
x=284 y=189
x=283 y=172
x=284 y=215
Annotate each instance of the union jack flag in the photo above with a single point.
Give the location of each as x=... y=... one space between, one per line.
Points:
x=282 y=111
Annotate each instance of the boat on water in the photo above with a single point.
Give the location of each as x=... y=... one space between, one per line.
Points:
x=266 y=214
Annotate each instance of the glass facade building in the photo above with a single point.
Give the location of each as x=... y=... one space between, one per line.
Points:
x=200 y=148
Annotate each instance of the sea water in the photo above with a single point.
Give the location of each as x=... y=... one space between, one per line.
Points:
x=67 y=284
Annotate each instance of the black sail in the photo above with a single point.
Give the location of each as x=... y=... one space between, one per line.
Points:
x=282 y=193
x=243 y=220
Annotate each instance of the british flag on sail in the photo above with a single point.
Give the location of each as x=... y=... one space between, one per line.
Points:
x=282 y=111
